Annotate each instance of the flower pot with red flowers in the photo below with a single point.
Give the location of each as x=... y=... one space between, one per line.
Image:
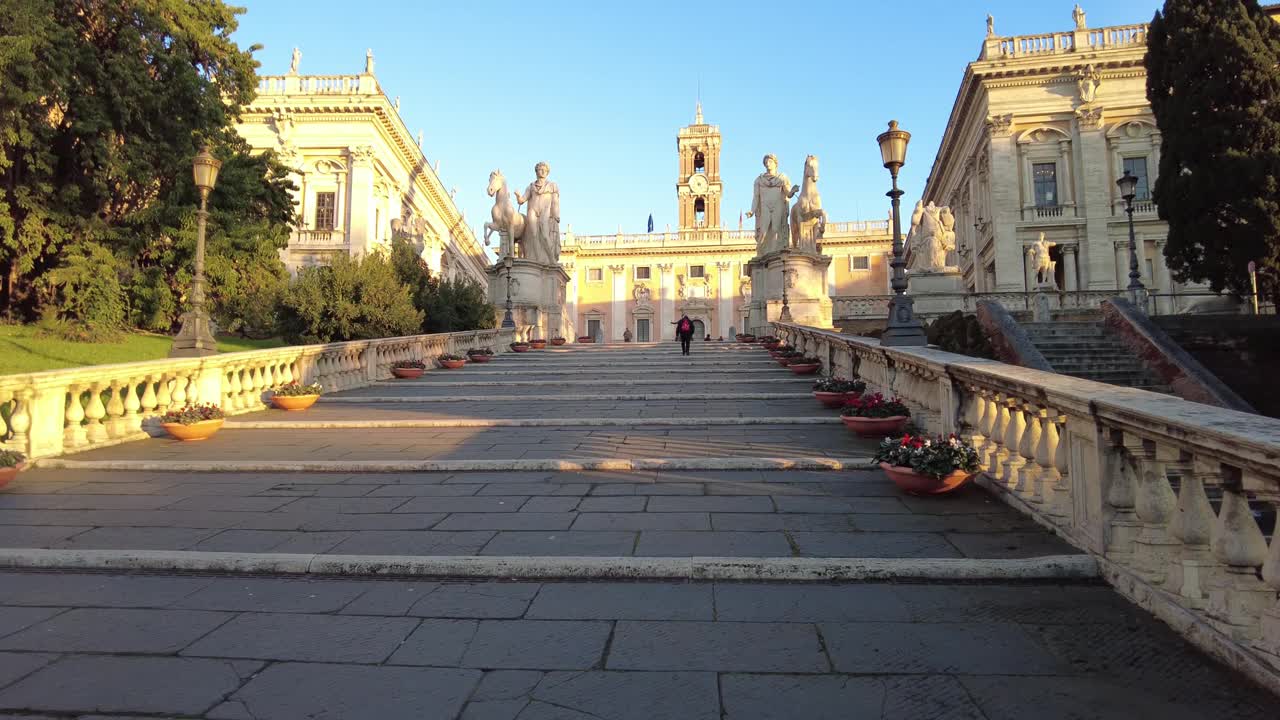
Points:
x=408 y=369
x=538 y=344
x=519 y=347
x=479 y=355
x=805 y=365
x=746 y=338
x=874 y=416
x=557 y=341
x=780 y=350
x=832 y=392
x=586 y=339
x=193 y=422
x=927 y=465
x=12 y=462
x=292 y=396
x=786 y=358
x=854 y=391
x=451 y=362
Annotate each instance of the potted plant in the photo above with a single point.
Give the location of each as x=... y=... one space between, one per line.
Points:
x=292 y=396
x=747 y=339
x=519 y=347
x=833 y=392
x=925 y=465
x=408 y=369
x=479 y=355
x=12 y=462
x=586 y=339
x=538 y=344
x=449 y=361
x=786 y=358
x=558 y=341
x=776 y=351
x=804 y=365
x=874 y=416
x=770 y=342
x=855 y=390
x=193 y=422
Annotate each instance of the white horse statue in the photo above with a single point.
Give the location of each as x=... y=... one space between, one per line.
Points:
x=808 y=219
x=507 y=221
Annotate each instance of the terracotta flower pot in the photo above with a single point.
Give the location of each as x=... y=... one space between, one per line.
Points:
x=479 y=358
x=913 y=482
x=852 y=395
x=519 y=348
x=783 y=361
x=586 y=339
x=875 y=427
x=8 y=474
x=294 y=402
x=194 y=431
x=538 y=344
x=452 y=364
x=557 y=341
x=804 y=369
x=407 y=373
x=829 y=399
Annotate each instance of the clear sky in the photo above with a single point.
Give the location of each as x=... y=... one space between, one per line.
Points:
x=599 y=88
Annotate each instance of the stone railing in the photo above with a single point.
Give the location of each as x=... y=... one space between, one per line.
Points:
x=310 y=237
x=1084 y=39
x=1156 y=488
x=860 y=307
x=61 y=411
x=316 y=85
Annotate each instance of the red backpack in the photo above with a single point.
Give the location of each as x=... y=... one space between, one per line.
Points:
x=685 y=326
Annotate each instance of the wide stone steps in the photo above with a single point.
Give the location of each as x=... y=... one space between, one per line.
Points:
x=1086 y=350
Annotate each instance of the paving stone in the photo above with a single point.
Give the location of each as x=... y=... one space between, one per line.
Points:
x=274 y=595
x=845 y=505
x=622 y=601
x=550 y=505
x=13 y=619
x=316 y=638
x=388 y=597
x=664 y=543
x=506 y=684
x=906 y=648
x=342 y=506
x=1015 y=698
x=436 y=642
x=1010 y=545
x=37 y=536
x=476 y=600
x=494 y=709
x=711 y=504
x=623 y=504
x=406 y=490
x=122 y=684
x=487 y=504
x=641 y=520
x=880 y=545
x=405 y=542
x=333 y=522
x=666 y=489
x=716 y=647
x=69 y=590
x=757 y=522
x=14 y=666
x=231 y=503
x=546 y=489
x=809 y=603
x=116 y=630
x=632 y=695
x=136 y=538
x=538 y=644
x=1070 y=605
x=990 y=523
x=784 y=697
x=937 y=697
x=574 y=543
x=293 y=690
x=507 y=521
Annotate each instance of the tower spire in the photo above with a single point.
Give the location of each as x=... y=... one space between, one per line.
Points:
x=697 y=114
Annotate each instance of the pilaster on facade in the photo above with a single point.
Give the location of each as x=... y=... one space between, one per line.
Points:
x=666 y=301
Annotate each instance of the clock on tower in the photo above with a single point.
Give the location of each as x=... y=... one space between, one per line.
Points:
x=698 y=187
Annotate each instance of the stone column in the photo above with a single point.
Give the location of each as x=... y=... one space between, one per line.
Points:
x=1069 y=267
x=339 y=207
x=361 y=199
x=725 y=300
x=666 y=303
x=619 y=321
x=831 y=275
x=1122 y=264
x=1028 y=272
x=1163 y=281
x=1006 y=204
x=570 y=321
x=1098 y=184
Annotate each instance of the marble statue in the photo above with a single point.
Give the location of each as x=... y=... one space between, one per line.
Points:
x=931 y=238
x=397 y=103
x=1078 y=16
x=1088 y=83
x=419 y=138
x=541 y=238
x=769 y=201
x=507 y=221
x=808 y=219
x=1041 y=264
x=368 y=61
x=293 y=63
x=991 y=26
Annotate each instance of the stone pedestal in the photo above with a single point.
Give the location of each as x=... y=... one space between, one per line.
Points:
x=806 y=276
x=537 y=297
x=936 y=292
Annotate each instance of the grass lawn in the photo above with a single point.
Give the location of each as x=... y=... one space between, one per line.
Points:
x=21 y=351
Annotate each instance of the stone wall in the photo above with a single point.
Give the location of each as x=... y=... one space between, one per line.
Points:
x=1242 y=350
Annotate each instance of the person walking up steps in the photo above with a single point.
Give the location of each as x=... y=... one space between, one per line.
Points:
x=684 y=331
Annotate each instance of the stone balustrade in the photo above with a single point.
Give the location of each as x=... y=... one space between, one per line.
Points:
x=46 y=414
x=859 y=307
x=1158 y=489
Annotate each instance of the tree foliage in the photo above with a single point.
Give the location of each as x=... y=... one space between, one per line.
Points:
x=1214 y=87
x=351 y=299
x=103 y=104
x=452 y=305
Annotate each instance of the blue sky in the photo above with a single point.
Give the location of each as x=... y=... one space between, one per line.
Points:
x=598 y=89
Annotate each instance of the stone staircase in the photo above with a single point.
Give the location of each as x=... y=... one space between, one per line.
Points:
x=1085 y=349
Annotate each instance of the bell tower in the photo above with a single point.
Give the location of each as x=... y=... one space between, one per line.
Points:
x=698 y=187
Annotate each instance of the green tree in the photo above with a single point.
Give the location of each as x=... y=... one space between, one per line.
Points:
x=351 y=299
x=103 y=103
x=1215 y=91
x=447 y=305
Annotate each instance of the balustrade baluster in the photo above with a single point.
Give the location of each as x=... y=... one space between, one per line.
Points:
x=73 y=431
x=115 y=423
x=287 y=372
x=20 y=422
x=1121 y=494
x=1269 y=630
x=94 y=412
x=232 y=394
x=1062 y=497
x=1014 y=430
x=975 y=413
x=180 y=391
x=5 y=398
x=1032 y=470
x=1237 y=600
x=268 y=378
x=1193 y=569
x=1001 y=425
x=1154 y=504
x=164 y=397
x=132 y=420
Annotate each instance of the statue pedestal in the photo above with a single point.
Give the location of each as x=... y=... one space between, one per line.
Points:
x=936 y=292
x=806 y=276
x=537 y=297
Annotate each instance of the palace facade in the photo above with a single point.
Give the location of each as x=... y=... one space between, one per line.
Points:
x=361 y=176
x=645 y=282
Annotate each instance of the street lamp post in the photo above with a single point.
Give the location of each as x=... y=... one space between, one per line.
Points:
x=195 y=339
x=785 y=315
x=1137 y=292
x=903 y=328
x=507 y=320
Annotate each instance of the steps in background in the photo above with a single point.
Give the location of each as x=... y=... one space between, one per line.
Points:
x=1085 y=349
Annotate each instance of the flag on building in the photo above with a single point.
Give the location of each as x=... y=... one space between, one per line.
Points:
x=650 y=222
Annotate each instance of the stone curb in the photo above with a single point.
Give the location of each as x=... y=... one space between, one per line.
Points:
x=1053 y=567
x=523 y=422
x=565 y=398
x=538 y=465
x=423 y=382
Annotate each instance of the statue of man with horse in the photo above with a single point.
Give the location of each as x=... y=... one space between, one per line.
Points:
x=535 y=236
x=808 y=219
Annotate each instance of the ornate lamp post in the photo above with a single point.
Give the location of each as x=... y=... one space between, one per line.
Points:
x=903 y=328
x=785 y=315
x=507 y=320
x=195 y=338
x=1137 y=293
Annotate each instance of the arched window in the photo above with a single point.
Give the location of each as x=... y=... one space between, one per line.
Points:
x=699 y=162
x=700 y=212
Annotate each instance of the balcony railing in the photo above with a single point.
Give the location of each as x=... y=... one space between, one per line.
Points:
x=313 y=84
x=1065 y=42
x=318 y=237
